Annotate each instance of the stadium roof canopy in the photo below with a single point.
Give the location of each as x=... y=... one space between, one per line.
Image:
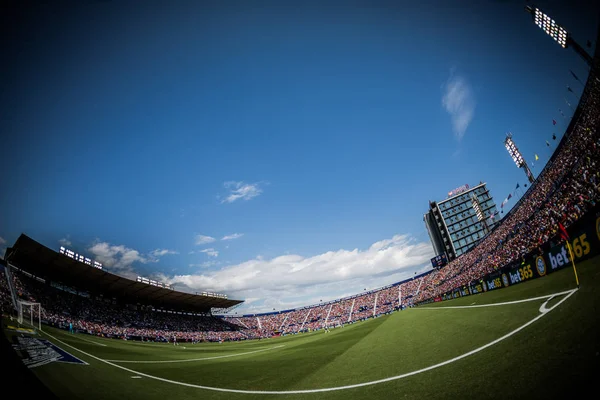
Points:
x=39 y=260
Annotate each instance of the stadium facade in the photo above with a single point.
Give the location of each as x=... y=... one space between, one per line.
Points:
x=459 y=222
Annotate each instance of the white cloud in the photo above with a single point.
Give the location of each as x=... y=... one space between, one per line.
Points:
x=162 y=252
x=291 y=280
x=205 y=264
x=232 y=236
x=458 y=100
x=117 y=258
x=2 y=240
x=210 y=252
x=241 y=190
x=202 y=239
x=64 y=242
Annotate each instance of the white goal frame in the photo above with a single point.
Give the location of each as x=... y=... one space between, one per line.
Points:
x=21 y=304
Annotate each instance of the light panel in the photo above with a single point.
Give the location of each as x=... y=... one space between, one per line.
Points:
x=476 y=207
x=152 y=282
x=548 y=25
x=514 y=152
x=79 y=257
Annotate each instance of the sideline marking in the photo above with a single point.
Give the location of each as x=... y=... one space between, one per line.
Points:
x=499 y=304
x=330 y=389
x=194 y=359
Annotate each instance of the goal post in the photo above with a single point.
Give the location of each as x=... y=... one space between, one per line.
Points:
x=29 y=313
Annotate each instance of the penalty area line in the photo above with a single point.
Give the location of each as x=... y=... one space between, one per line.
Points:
x=330 y=389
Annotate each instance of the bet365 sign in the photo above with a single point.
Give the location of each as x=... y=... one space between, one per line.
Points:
x=559 y=256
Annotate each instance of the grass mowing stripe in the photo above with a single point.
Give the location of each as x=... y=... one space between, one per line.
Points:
x=195 y=359
x=90 y=341
x=504 y=303
x=331 y=389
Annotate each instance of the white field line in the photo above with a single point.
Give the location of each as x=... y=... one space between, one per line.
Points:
x=543 y=308
x=497 y=304
x=330 y=389
x=195 y=359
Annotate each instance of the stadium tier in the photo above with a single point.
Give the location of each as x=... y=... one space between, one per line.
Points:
x=49 y=265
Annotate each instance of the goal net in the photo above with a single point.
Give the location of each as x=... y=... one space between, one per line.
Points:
x=29 y=314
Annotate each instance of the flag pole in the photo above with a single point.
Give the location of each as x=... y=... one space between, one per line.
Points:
x=576 y=78
x=573 y=262
x=574 y=94
x=569 y=104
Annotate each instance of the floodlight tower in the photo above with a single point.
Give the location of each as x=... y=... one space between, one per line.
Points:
x=479 y=213
x=557 y=32
x=517 y=157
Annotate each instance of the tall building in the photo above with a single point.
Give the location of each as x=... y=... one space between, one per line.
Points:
x=461 y=220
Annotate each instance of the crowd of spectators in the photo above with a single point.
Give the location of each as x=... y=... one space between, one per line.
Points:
x=6 y=305
x=106 y=317
x=331 y=314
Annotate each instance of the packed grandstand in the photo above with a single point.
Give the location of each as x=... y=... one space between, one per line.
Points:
x=567 y=187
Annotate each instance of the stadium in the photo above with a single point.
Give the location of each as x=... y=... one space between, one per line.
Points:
x=513 y=317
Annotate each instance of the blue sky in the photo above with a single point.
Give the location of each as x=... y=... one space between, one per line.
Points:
x=280 y=154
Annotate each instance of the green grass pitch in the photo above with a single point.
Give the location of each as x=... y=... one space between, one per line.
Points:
x=438 y=351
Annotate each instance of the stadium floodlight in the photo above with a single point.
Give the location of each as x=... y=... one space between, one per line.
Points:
x=556 y=32
x=515 y=154
x=548 y=25
x=476 y=207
